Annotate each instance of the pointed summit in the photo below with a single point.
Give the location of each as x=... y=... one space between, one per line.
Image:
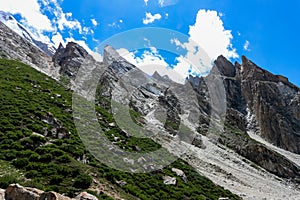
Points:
x=223 y=67
x=110 y=55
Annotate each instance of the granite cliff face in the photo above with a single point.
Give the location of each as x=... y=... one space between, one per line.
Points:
x=275 y=103
x=269 y=104
x=257 y=102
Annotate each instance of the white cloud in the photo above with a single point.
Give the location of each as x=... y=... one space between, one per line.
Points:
x=146 y=2
x=115 y=24
x=164 y=3
x=246 y=45
x=30 y=11
x=207 y=40
x=161 y=3
x=177 y=42
x=65 y=21
x=94 y=22
x=150 y=61
x=57 y=39
x=209 y=32
x=151 y=18
x=121 y=20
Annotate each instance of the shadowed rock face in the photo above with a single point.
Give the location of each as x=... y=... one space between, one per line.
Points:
x=70 y=59
x=272 y=99
x=276 y=104
x=273 y=103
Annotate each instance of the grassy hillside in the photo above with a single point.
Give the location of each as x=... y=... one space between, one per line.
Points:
x=39 y=146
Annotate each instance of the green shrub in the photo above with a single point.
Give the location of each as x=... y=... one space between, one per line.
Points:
x=64 y=159
x=31 y=174
x=56 y=180
x=83 y=181
x=46 y=158
x=6 y=180
x=20 y=162
x=34 y=157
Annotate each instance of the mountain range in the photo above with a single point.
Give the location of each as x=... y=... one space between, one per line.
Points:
x=244 y=120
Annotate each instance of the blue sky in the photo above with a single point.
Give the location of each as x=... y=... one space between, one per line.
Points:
x=266 y=31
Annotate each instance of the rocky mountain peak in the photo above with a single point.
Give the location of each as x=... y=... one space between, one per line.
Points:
x=115 y=62
x=110 y=55
x=70 y=58
x=224 y=67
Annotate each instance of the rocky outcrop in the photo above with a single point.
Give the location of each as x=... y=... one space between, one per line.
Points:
x=70 y=58
x=53 y=196
x=85 y=196
x=2 y=194
x=180 y=173
x=168 y=180
x=18 y=192
x=270 y=101
x=15 y=191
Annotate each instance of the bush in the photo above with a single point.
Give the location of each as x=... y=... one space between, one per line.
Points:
x=31 y=174
x=83 y=181
x=46 y=158
x=6 y=180
x=64 y=159
x=56 y=180
x=20 y=162
x=34 y=157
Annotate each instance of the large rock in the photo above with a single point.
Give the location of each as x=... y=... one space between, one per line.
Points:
x=180 y=173
x=168 y=180
x=53 y=196
x=17 y=192
x=85 y=196
x=2 y=194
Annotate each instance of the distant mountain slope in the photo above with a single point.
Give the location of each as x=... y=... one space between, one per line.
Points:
x=14 y=46
x=14 y=25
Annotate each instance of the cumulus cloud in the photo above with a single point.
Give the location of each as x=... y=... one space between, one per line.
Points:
x=209 y=32
x=30 y=10
x=57 y=39
x=151 y=18
x=207 y=40
x=94 y=22
x=34 y=19
x=246 y=46
x=146 y=2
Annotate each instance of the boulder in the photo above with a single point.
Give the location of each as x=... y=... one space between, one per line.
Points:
x=85 y=196
x=2 y=194
x=180 y=173
x=17 y=192
x=53 y=196
x=168 y=180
